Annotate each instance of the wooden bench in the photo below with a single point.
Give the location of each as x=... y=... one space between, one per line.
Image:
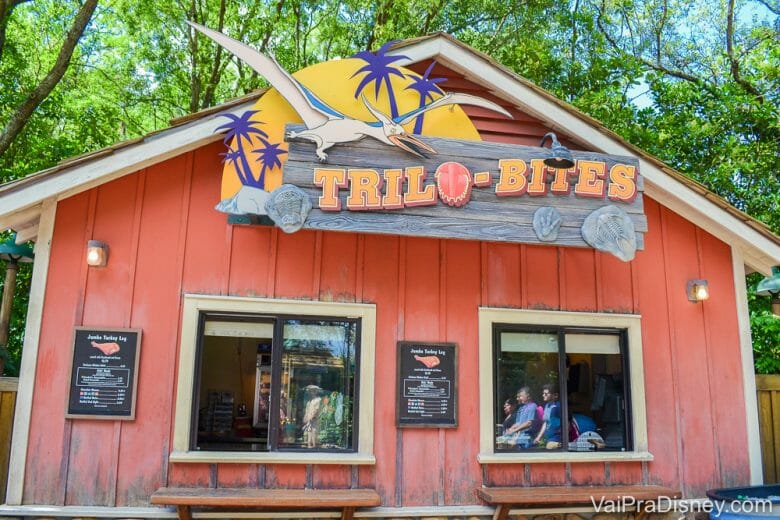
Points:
x=242 y=498
x=506 y=498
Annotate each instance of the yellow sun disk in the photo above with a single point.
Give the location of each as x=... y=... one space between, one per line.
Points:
x=333 y=83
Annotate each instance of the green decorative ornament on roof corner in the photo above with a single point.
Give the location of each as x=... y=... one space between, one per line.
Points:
x=770 y=286
x=13 y=252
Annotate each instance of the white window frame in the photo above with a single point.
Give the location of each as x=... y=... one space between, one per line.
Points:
x=195 y=304
x=633 y=326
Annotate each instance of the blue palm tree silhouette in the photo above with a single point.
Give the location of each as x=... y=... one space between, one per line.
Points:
x=269 y=158
x=232 y=156
x=426 y=87
x=241 y=128
x=379 y=71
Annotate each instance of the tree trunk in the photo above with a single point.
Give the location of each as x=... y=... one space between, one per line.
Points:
x=5 y=308
x=216 y=65
x=23 y=112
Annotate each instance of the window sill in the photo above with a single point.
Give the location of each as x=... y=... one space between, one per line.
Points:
x=540 y=457
x=234 y=457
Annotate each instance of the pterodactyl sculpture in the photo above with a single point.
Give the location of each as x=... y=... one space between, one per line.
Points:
x=326 y=126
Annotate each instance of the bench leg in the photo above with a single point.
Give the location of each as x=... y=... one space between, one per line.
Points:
x=347 y=513
x=502 y=512
x=184 y=512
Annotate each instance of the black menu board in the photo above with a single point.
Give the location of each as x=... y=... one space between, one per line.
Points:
x=104 y=373
x=427 y=385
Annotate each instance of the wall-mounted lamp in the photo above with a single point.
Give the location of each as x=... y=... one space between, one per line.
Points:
x=97 y=253
x=560 y=157
x=698 y=290
x=771 y=287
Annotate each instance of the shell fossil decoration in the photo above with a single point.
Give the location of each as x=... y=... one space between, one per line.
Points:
x=288 y=206
x=611 y=230
x=547 y=222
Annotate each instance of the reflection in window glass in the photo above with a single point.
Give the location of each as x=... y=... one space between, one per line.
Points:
x=596 y=392
x=538 y=406
x=315 y=403
x=274 y=383
x=528 y=409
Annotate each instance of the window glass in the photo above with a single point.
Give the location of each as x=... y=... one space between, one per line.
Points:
x=596 y=396
x=275 y=383
x=528 y=411
x=560 y=380
x=318 y=359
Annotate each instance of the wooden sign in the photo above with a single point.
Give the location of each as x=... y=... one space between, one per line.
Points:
x=469 y=189
x=104 y=373
x=427 y=385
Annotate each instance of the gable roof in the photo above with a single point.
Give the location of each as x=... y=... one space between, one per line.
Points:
x=20 y=200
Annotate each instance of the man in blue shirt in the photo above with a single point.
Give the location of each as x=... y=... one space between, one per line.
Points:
x=551 y=427
x=526 y=423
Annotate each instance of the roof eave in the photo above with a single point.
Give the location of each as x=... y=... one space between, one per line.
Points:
x=20 y=199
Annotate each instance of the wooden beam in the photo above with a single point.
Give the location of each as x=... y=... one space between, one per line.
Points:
x=20 y=218
x=26 y=234
x=184 y=512
x=486 y=216
x=21 y=432
x=748 y=372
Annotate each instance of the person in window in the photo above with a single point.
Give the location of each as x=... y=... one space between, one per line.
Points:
x=311 y=416
x=503 y=439
x=526 y=423
x=550 y=433
x=510 y=410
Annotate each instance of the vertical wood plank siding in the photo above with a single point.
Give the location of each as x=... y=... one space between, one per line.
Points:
x=8 y=390
x=768 y=387
x=166 y=239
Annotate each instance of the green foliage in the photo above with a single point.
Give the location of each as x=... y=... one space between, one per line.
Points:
x=12 y=354
x=694 y=83
x=765 y=330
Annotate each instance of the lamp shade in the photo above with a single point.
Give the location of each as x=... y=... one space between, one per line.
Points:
x=10 y=250
x=560 y=156
x=770 y=286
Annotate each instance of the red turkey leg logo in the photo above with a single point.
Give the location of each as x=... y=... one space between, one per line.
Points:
x=428 y=361
x=106 y=348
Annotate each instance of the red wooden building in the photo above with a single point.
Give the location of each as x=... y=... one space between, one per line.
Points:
x=668 y=382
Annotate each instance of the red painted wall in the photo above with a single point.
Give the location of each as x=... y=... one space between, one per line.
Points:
x=166 y=240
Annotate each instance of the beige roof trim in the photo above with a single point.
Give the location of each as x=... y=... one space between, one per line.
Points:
x=760 y=248
x=21 y=200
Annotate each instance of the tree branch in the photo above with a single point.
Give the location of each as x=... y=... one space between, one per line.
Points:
x=573 y=47
x=382 y=15
x=193 y=44
x=211 y=86
x=774 y=9
x=22 y=113
x=659 y=33
x=657 y=66
x=269 y=26
x=735 y=73
x=6 y=8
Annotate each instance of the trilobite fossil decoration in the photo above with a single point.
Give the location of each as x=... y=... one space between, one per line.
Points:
x=288 y=206
x=611 y=230
x=547 y=222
